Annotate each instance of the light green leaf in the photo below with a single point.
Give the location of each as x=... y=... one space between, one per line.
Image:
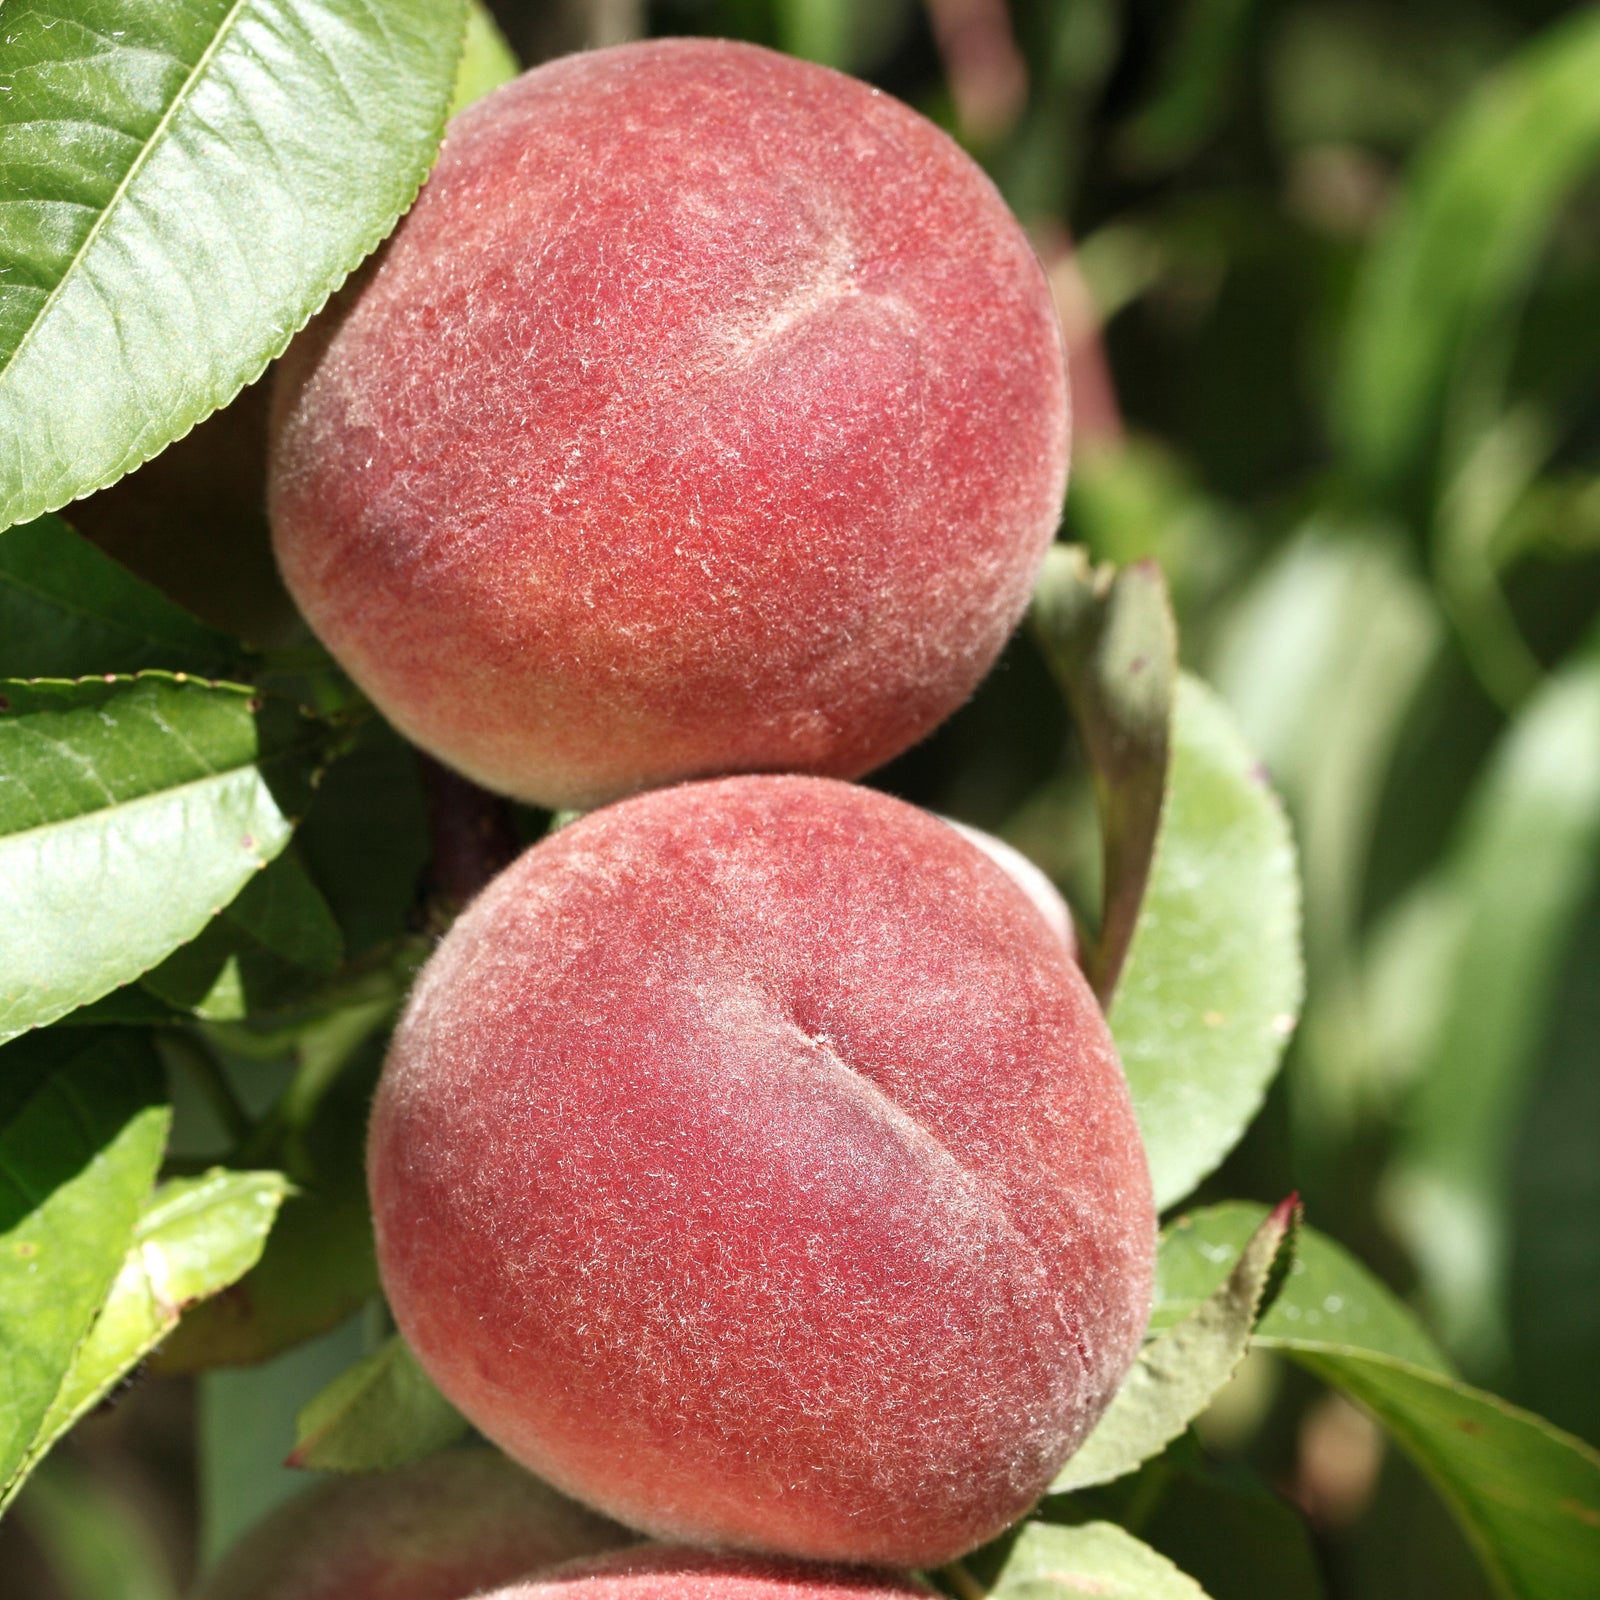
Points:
x=1526 y=1494
x=271 y=944
x=1328 y=1297
x=131 y=811
x=193 y=1237
x=1467 y=232
x=1213 y=980
x=381 y=1413
x=81 y=1136
x=1517 y=877
x=1111 y=641
x=818 y=30
x=1180 y=1372
x=1095 y=1558
x=487 y=60
x=67 y=611
x=183 y=186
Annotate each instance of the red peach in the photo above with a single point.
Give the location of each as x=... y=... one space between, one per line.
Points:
x=451 y=1525
x=707 y=413
x=652 y=1572
x=1032 y=880
x=752 y=1162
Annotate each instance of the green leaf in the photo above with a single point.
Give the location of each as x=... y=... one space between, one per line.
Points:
x=1096 y=1558
x=1517 y=879
x=131 y=811
x=184 y=185
x=96 y=1539
x=1473 y=216
x=487 y=60
x=1179 y=1373
x=1213 y=980
x=67 y=611
x=1320 y=660
x=271 y=944
x=1327 y=1299
x=1526 y=1494
x=319 y=1264
x=193 y=1237
x=381 y=1413
x=1111 y=641
x=81 y=1136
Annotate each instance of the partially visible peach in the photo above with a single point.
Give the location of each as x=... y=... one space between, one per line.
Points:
x=657 y=1572
x=707 y=413
x=1029 y=878
x=447 y=1527
x=753 y=1162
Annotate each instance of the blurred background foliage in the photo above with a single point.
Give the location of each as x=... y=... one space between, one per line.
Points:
x=1330 y=276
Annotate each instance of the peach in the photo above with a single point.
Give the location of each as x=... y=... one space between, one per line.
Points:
x=707 y=414
x=652 y=1572
x=752 y=1162
x=453 y=1524
x=1031 y=879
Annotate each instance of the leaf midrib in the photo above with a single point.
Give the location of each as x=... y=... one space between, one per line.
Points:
x=124 y=184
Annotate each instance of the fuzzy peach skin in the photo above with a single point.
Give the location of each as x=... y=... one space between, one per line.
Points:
x=1032 y=880
x=654 y=1572
x=708 y=413
x=458 y=1522
x=752 y=1162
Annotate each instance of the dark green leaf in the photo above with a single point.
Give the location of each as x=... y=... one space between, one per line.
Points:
x=1111 y=640
x=67 y=611
x=319 y=1264
x=1476 y=209
x=382 y=1413
x=270 y=945
x=184 y=185
x=1095 y=1558
x=1213 y=979
x=1180 y=1372
x=131 y=811
x=81 y=1136
x=1526 y=1494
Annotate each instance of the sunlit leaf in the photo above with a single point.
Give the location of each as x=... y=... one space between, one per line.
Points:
x=82 y=1130
x=1180 y=1372
x=193 y=1237
x=1327 y=1298
x=382 y=1413
x=1095 y=1558
x=487 y=60
x=184 y=184
x=131 y=811
x=1213 y=980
